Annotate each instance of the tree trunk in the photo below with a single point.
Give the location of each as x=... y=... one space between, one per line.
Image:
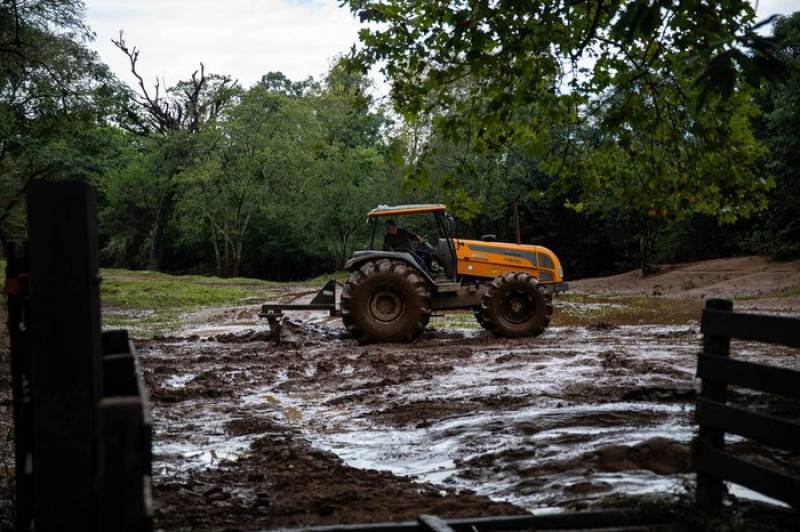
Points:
x=646 y=249
x=515 y=218
x=217 y=260
x=159 y=244
x=5 y=243
x=237 y=258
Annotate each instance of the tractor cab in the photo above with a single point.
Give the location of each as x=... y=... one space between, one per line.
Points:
x=435 y=254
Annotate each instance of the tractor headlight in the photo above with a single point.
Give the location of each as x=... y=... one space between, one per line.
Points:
x=560 y=272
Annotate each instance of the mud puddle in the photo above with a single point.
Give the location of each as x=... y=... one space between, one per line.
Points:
x=536 y=423
x=579 y=417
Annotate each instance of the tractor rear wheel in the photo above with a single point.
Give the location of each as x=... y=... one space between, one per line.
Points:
x=514 y=305
x=386 y=301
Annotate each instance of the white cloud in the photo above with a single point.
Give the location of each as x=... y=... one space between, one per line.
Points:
x=242 y=38
x=766 y=8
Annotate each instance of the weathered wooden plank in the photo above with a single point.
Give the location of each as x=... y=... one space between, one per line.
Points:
x=119 y=375
x=66 y=351
x=432 y=523
x=759 y=377
x=754 y=327
x=765 y=429
x=18 y=307
x=116 y=342
x=123 y=475
x=710 y=490
x=762 y=479
x=603 y=519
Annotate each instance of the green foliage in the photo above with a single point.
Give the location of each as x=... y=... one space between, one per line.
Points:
x=638 y=166
x=637 y=108
x=529 y=65
x=624 y=131
x=55 y=96
x=778 y=233
x=278 y=184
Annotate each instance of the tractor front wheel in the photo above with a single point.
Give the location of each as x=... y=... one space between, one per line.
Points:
x=514 y=305
x=385 y=301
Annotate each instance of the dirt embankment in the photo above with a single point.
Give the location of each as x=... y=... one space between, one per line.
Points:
x=735 y=278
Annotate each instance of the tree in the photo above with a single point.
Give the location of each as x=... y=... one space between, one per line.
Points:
x=249 y=161
x=356 y=172
x=655 y=162
x=55 y=96
x=779 y=231
x=551 y=54
x=619 y=101
x=175 y=117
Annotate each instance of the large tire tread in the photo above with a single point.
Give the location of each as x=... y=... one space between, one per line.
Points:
x=491 y=317
x=411 y=287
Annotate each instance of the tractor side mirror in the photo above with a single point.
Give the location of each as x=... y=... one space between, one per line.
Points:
x=451 y=226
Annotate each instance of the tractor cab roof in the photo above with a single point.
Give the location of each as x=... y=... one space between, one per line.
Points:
x=397 y=210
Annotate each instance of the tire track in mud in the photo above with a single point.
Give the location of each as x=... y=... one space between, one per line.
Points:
x=577 y=417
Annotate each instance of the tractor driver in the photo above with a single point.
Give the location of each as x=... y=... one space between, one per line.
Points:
x=398 y=239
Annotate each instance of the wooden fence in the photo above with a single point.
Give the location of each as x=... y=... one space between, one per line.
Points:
x=716 y=418
x=82 y=423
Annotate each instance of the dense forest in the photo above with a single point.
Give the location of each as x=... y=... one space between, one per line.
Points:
x=629 y=133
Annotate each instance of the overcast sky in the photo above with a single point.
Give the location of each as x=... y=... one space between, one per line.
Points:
x=242 y=38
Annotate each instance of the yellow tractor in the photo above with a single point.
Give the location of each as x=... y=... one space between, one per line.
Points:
x=392 y=291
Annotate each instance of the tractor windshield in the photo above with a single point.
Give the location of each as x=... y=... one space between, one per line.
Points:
x=394 y=231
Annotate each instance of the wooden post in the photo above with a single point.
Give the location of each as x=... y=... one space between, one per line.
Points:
x=124 y=440
x=65 y=352
x=18 y=305
x=124 y=465
x=710 y=489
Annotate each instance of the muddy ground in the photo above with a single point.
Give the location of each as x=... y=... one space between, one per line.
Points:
x=321 y=430
x=597 y=412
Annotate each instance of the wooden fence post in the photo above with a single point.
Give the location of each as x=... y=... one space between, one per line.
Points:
x=65 y=352
x=18 y=305
x=124 y=440
x=710 y=489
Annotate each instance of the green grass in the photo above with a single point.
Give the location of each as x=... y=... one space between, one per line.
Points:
x=463 y=319
x=150 y=302
x=340 y=276
x=580 y=309
x=158 y=291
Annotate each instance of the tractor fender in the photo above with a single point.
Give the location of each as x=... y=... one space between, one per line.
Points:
x=360 y=257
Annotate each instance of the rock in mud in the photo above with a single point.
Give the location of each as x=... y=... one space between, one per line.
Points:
x=659 y=455
x=243 y=338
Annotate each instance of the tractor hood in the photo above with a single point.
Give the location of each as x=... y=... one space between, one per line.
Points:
x=479 y=258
